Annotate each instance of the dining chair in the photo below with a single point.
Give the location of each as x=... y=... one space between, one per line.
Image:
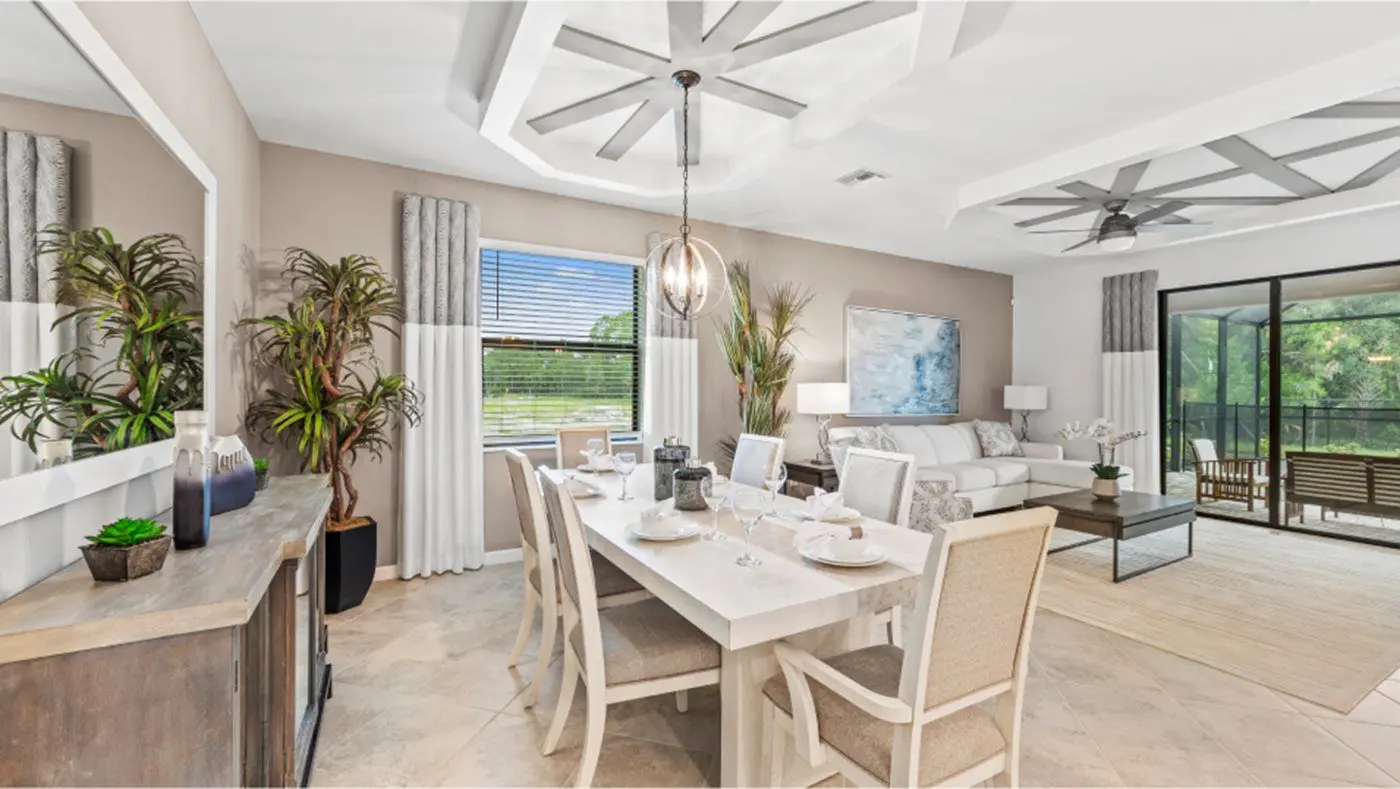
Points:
x=570 y=441
x=615 y=587
x=622 y=653
x=755 y=459
x=880 y=485
x=885 y=716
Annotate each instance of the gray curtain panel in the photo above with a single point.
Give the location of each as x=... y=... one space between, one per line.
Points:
x=442 y=519
x=670 y=373
x=1130 y=312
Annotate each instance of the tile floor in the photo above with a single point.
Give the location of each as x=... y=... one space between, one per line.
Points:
x=422 y=697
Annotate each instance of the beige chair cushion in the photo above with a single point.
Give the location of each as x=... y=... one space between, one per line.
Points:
x=648 y=640
x=754 y=460
x=874 y=486
x=609 y=578
x=950 y=745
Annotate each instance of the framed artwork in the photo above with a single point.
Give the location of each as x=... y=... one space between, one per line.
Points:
x=902 y=363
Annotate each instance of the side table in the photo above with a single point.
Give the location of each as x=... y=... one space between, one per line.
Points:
x=818 y=475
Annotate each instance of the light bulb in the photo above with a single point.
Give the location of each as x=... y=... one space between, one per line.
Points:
x=1117 y=242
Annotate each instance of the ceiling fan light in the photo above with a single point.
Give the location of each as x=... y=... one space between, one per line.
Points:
x=1117 y=241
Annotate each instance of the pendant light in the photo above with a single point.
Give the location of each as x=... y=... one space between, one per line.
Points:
x=686 y=276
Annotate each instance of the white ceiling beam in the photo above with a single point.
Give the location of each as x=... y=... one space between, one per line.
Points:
x=642 y=121
x=1373 y=173
x=1242 y=153
x=590 y=108
x=738 y=22
x=750 y=96
x=816 y=31
x=1358 y=109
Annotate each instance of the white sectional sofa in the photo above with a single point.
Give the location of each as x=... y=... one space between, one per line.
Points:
x=952 y=453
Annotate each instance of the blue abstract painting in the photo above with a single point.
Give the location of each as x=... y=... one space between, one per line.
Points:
x=902 y=363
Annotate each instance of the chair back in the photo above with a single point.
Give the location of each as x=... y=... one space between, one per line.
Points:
x=534 y=523
x=1203 y=449
x=570 y=441
x=975 y=610
x=579 y=589
x=879 y=485
x=755 y=459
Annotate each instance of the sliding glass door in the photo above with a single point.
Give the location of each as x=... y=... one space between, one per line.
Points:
x=1281 y=401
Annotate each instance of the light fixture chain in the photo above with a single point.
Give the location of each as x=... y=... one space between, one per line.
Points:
x=685 y=164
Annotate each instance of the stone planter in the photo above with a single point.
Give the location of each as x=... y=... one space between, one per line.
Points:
x=350 y=564
x=1106 y=489
x=126 y=562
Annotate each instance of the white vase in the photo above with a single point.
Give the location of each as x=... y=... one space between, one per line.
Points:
x=1106 y=489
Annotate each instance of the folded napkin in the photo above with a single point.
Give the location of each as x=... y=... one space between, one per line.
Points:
x=582 y=488
x=814 y=531
x=822 y=505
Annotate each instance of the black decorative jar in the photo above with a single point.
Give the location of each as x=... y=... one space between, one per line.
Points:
x=191 y=510
x=690 y=486
x=667 y=459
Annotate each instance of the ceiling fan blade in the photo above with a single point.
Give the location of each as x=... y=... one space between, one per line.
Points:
x=1169 y=228
x=1086 y=230
x=1160 y=211
x=1080 y=244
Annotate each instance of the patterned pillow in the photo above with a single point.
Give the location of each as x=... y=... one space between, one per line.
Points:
x=997 y=439
x=877 y=438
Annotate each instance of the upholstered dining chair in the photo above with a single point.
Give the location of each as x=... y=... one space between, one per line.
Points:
x=570 y=441
x=627 y=652
x=755 y=459
x=885 y=716
x=880 y=485
x=615 y=587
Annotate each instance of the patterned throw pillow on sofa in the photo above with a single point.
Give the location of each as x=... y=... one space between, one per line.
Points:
x=997 y=439
x=877 y=438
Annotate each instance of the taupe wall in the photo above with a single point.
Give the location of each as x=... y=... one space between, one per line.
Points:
x=164 y=46
x=123 y=179
x=336 y=206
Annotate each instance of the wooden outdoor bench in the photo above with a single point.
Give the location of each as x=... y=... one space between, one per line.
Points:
x=1364 y=484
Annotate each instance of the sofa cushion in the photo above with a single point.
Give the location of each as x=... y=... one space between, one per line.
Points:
x=1064 y=473
x=912 y=440
x=949 y=443
x=965 y=476
x=1008 y=471
x=969 y=434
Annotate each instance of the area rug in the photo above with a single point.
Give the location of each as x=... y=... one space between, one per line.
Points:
x=1314 y=618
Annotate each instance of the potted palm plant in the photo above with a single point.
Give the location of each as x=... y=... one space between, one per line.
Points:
x=329 y=400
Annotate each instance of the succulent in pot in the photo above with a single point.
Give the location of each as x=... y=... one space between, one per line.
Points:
x=260 y=472
x=126 y=548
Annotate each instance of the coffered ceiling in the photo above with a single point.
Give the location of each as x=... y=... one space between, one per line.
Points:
x=990 y=119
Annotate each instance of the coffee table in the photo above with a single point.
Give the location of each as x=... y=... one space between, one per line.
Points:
x=1131 y=516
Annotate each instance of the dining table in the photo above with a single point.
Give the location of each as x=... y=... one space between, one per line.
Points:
x=821 y=608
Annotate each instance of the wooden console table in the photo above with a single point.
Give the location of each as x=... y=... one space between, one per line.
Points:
x=211 y=671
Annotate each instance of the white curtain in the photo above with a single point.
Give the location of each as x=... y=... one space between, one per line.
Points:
x=1130 y=394
x=33 y=195
x=441 y=517
x=670 y=376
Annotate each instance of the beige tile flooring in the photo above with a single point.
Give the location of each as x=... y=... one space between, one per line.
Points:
x=423 y=697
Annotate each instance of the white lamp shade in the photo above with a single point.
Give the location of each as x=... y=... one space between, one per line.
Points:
x=823 y=398
x=1026 y=398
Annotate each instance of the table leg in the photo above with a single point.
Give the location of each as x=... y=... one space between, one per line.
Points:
x=741 y=725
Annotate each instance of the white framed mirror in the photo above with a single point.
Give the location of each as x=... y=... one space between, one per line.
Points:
x=86 y=147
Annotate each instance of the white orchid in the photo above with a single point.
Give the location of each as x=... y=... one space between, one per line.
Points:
x=1101 y=432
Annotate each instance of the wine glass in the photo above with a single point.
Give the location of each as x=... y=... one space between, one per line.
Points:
x=595 y=448
x=625 y=463
x=749 y=505
x=777 y=477
x=715 y=489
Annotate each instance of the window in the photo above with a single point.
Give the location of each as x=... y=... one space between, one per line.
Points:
x=559 y=343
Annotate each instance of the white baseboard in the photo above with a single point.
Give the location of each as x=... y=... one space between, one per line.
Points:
x=386 y=572
x=504 y=556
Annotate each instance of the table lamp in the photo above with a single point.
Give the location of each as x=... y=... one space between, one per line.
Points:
x=823 y=400
x=1025 y=399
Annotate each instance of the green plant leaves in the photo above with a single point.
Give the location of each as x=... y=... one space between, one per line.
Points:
x=127 y=531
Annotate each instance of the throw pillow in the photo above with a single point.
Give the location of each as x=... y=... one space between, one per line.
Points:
x=997 y=439
x=877 y=438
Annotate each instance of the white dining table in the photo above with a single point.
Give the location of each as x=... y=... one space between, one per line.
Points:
x=824 y=609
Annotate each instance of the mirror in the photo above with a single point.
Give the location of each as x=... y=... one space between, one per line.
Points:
x=101 y=250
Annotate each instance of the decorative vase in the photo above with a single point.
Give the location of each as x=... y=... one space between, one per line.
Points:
x=233 y=481
x=1106 y=489
x=125 y=562
x=690 y=486
x=667 y=459
x=190 y=518
x=350 y=564
x=55 y=452
x=260 y=479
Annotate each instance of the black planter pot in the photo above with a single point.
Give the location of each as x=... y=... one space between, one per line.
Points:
x=350 y=557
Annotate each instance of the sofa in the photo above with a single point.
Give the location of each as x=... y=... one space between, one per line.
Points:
x=952 y=453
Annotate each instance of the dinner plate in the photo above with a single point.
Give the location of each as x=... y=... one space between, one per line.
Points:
x=584 y=491
x=587 y=469
x=846 y=515
x=684 y=529
x=820 y=551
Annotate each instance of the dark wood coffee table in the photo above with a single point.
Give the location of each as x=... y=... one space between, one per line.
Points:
x=1132 y=515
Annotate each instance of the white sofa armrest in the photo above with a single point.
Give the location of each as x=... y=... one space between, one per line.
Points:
x=1032 y=449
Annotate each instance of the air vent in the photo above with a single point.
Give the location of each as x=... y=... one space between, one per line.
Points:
x=860 y=177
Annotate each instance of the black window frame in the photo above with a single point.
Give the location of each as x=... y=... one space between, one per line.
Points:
x=634 y=349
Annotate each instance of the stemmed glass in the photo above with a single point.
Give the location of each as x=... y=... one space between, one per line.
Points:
x=748 y=506
x=594 y=450
x=625 y=463
x=715 y=489
x=775 y=480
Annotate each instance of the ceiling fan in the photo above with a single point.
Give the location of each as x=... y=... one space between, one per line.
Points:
x=1118 y=231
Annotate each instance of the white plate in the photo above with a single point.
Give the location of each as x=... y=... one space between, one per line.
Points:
x=846 y=515
x=587 y=469
x=820 y=551
x=684 y=529
x=584 y=491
